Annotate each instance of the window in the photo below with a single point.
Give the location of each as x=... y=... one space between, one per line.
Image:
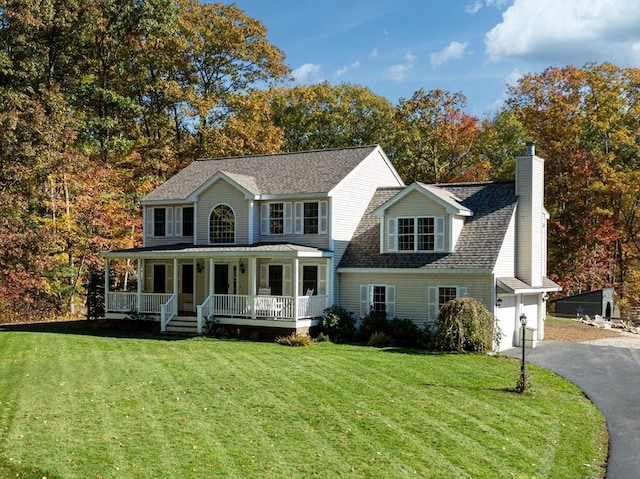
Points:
x=159 y=221
x=187 y=221
x=275 y=218
x=423 y=233
x=310 y=279
x=439 y=295
x=446 y=294
x=222 y=225
x=311 y=217
x=378 y=298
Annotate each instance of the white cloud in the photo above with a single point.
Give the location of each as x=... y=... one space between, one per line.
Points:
x=567 y=32
x=309 y=72
x=474 y=7
x=354 y=66
x=453 y=50
x=374 y=53
x=400 y=71
x=477 y=5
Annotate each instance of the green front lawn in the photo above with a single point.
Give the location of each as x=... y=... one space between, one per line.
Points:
x=78 y=406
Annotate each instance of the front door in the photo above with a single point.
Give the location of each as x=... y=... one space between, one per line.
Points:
x=221 y=281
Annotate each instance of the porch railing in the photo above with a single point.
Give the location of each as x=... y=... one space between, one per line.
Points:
x=276 y=307
x=203 y=311
x=311 y=306
x=168 y=311
x=121 y=302
x=152 y=302
x=127 y=302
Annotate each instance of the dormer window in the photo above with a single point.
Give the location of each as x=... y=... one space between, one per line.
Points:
x=416 y=234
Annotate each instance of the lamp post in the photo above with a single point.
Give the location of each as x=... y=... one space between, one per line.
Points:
x=522 y=384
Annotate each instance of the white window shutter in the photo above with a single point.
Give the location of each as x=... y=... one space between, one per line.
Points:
x=323 y=217
x=178 y=220
x=322 y=279
x=391 y=225
x=364 y=300
x=149 y=221
x=299 y=218
x=433 y=303
x=264 y=275
x=168 y=283
x=264 y=219
x=439 y=227
x=391 y=302
x=286 y=280
x=288 y=220
x=168 y=222
x=461 y=292
x=148 y=277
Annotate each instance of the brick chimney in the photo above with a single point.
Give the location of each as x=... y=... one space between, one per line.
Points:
x=531 y=218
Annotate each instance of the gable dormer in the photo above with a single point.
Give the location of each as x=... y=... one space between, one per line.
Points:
x=421 y=219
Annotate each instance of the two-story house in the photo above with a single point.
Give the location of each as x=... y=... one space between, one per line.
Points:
x=253 y=241
x=270 y=241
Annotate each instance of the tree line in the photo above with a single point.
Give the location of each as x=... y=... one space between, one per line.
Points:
x=103 y=100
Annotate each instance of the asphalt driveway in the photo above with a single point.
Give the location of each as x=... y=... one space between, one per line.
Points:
x=609 y=374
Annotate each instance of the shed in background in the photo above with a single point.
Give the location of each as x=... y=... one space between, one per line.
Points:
x=598 y=302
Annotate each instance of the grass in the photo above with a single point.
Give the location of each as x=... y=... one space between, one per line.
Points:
x=81 y=406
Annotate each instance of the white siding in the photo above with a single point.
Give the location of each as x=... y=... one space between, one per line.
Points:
x=173 y=232
x=413 y=205
x=412 y=290
x=320 y=240
x=530 y=191
x=222 y=192
x=506 y=262
x=457 y=223
x=350 y=200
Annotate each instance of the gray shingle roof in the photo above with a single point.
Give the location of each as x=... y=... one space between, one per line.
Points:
x=477 y=247
x=317 y=171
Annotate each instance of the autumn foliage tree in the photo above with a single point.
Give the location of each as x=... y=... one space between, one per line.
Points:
x=434 y=138
x=586 y=123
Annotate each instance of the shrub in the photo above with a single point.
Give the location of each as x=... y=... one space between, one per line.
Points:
x=464 y=324
x=380 y=339
x=295 y=340
x=405 y=333
x=374 y=322
x=338 y=324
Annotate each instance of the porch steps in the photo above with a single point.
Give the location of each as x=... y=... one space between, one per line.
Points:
x=183 y=325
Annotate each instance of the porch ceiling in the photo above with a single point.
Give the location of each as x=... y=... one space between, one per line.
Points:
x=282 y=250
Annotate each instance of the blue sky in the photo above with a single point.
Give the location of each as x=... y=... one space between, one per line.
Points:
x=476 y=47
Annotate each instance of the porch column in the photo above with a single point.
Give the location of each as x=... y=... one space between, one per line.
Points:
x=106 y=284
x=140 y=268
x=253 y=263
x=295 y=287
x=175 y=275
x=331 y=287
x=212 y=275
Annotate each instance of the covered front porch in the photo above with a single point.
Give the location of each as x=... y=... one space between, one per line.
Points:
x=276 y=286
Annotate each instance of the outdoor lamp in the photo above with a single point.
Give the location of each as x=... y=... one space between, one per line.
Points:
x=523 y=370
x=523 y=320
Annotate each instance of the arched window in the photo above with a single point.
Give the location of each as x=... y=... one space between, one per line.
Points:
x=222 y=225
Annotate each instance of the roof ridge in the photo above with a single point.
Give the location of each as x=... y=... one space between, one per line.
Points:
x=283 y=153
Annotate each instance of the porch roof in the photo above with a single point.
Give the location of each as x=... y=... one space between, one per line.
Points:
x=514 y=285
x=187 y=250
